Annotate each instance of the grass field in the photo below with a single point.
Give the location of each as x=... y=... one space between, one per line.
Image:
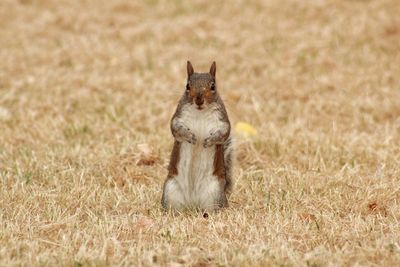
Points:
x=87 y=89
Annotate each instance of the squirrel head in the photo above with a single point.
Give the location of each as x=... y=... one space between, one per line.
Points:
x=201 y=88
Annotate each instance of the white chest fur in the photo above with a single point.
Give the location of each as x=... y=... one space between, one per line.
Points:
x=201 y=122
x=198 y=186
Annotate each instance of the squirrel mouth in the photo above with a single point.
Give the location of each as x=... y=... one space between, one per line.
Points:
x=200 y=107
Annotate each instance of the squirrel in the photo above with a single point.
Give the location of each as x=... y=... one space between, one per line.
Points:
x=200 y=167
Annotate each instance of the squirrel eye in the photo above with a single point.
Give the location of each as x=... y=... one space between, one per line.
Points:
x=187 y=87
x=212 y=87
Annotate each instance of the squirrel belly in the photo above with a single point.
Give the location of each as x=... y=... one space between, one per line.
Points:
x=196 y=182
x=197 y=185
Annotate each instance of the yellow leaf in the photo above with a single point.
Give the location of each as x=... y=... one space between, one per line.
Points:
x=245 y=129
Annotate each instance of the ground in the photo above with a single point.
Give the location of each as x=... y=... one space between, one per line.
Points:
x=87 y=89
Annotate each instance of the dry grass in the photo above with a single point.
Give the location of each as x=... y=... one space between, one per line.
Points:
x=83 y=83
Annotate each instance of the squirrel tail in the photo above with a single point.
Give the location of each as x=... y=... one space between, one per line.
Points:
x=228 y=160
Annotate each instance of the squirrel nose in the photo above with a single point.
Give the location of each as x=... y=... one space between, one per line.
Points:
x=199 y=100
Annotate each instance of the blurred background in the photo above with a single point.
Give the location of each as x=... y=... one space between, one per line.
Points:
x=109 y=74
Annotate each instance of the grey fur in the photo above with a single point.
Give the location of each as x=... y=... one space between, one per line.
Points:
x=198 y=82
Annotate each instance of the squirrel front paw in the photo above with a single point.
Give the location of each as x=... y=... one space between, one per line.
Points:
x=214 y=138
x=191 y=138
x=184 y=134
x=207 y=142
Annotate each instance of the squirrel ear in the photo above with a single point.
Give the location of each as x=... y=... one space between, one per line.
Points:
x=190 y=69
x=213 y=69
